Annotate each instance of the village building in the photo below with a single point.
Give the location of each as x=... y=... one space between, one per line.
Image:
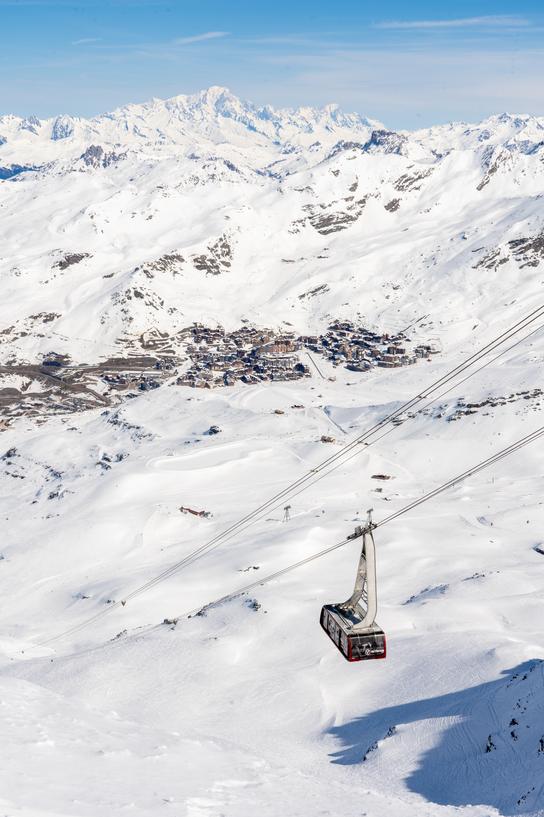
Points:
x=249 y=355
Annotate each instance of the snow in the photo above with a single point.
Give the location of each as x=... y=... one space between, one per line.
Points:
x=248 y=709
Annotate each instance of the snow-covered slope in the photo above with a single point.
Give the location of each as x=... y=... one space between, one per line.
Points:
x=214 y=115
x=122 y=224
x=119 y=233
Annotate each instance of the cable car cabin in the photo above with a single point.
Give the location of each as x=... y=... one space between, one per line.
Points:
x=355 y=645
x=351 y=625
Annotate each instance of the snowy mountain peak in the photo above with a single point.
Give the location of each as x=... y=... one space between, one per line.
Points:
x=214 y=99
x=217 y=94
x=30 y=123
x=214 y=115
x=201 y=122
x=218 y=103
x=202 y=298
x=63 y=127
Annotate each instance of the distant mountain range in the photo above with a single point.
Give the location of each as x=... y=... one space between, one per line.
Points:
x=216 y=116
x=208 y=208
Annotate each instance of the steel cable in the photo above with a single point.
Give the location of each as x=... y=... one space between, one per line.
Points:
x=516 y=446
x=330 y=464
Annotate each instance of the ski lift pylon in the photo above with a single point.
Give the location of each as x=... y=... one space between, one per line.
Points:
x=351 y=625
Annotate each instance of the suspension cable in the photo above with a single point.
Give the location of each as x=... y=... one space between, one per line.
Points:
x=331 y=463
x=309 y=478
x=475 y=469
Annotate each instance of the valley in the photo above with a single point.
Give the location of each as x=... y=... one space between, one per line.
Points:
x=204 y=300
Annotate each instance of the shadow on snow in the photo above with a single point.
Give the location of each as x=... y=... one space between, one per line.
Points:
x=491 y=754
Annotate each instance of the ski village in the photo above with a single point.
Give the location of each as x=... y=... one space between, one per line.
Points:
x=271 y=390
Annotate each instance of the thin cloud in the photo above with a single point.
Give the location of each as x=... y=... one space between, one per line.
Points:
x=321 y=38
x=198 y=38
x=407 y=88
x=87 y=41
x=502 y=20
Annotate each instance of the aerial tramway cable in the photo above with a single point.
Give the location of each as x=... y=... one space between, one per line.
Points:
x=392 y=427
x=332 y=462
x=324 y=468
x=475 y=469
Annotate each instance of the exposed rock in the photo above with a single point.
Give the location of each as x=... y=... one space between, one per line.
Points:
x=385 y=141
x=491 y=261
x=31 y=124
x=392 y=205
x=463 y=409
x=410 y=182
x=528 y=252
x=333 y=217
x=63 y=127
x=217 y=259
x=321 y=289
x=170 y=262
x=492 y=160
x=70 y=259
x=343 y=145
x=96 y=157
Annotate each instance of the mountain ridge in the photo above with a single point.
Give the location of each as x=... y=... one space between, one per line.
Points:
x=172 y=208
x=216 y=114
x=194 y=315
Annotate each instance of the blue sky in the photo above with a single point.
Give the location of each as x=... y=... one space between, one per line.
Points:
x=409 y=64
